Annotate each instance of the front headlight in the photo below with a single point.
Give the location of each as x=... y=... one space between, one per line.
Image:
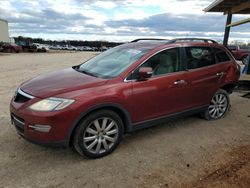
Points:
x=51 y=104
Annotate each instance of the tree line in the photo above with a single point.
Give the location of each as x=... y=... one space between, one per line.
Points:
x=97 y=44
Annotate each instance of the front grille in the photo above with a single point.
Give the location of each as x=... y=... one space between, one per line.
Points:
x=20 y=98
x=18 y=122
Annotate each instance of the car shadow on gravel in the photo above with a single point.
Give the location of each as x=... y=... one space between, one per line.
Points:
x=164 y=129
x=129 y=139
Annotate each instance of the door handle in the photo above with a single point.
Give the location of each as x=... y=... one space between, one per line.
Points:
x=180 y=82
x=220 y=73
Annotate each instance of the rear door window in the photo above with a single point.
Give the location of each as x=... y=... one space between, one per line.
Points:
x=198 y=57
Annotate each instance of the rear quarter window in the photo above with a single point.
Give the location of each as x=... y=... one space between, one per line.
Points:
x=221 y=55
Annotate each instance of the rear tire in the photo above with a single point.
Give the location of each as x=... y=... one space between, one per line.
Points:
x=218 y=107
x=98 y=134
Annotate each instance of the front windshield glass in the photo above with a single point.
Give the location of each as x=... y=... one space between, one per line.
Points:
x=112 y=62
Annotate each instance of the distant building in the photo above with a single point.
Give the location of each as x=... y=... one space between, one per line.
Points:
x=4 y=31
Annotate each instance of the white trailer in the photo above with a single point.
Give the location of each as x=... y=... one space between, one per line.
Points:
x=4 y=31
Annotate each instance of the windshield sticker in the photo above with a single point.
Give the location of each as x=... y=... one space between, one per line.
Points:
x=133 y=51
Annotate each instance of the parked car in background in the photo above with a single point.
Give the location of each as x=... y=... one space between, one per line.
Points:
x=239 y=52
x=132 y=86
x=87 y=48
x=65 y=47
x=103 y=48
x=41 y=47
x=29 y=48
x=1 y=46
x=11 y=48
x=56 y=47
x=79 y=48
x=72 y=48
x=69 y=47
x=27 y=45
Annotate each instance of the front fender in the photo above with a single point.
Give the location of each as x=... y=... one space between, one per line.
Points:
x=94 y=108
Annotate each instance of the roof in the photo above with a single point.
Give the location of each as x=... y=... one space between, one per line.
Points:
x=144 y=44
x=151 y=43
x=239 y=22
x=229 y=6
x=3 y=20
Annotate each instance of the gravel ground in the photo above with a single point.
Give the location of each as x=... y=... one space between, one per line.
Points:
x=189 y=152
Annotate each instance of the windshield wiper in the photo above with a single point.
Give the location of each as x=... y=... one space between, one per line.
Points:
x=84 y=71
x=88 y=73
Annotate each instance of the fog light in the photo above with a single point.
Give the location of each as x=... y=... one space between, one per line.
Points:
x=41 y=128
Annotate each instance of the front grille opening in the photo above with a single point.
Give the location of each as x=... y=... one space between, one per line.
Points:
x=18 y=118
x=18 y=122
x=20 y=98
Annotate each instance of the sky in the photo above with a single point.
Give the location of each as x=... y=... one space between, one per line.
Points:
x=117 y=20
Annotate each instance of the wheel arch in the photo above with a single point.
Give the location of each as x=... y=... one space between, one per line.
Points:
x=229 y=87
x=121 y=111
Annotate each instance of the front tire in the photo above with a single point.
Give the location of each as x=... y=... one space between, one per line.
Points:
x=218 y=107
x=98 y=134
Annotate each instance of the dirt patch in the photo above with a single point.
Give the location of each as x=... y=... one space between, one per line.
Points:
x=233 y=171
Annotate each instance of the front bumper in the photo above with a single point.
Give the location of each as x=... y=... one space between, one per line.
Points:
x=43 y=128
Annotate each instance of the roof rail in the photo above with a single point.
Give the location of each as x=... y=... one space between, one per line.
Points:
x=145 y=39
x=192 y=39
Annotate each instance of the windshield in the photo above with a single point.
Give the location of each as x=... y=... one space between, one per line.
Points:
x=112 y=62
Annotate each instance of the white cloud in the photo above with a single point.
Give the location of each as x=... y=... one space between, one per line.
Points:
x=131 y=14
x=105 y=4
x=90 y=19
x=6 y=5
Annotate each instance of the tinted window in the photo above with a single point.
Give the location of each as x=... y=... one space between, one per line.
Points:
x=221 y=55
x=164 y=62
x=198 y=57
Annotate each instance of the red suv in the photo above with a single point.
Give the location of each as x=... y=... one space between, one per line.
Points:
x=11 y=48
x=240 y=52
x=129 y=87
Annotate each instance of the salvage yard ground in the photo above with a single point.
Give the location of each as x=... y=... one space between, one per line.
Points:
x=189 y=152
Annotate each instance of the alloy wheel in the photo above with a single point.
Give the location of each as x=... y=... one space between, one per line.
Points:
x=100 y=135
x=218 y=106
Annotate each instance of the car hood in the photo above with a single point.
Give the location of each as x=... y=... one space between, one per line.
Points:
x=59 y=82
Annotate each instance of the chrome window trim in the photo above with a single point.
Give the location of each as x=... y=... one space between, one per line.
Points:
x=133 y=80
x=25 y=94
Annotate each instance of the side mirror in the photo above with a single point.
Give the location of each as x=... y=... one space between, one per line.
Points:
x=145 y=73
